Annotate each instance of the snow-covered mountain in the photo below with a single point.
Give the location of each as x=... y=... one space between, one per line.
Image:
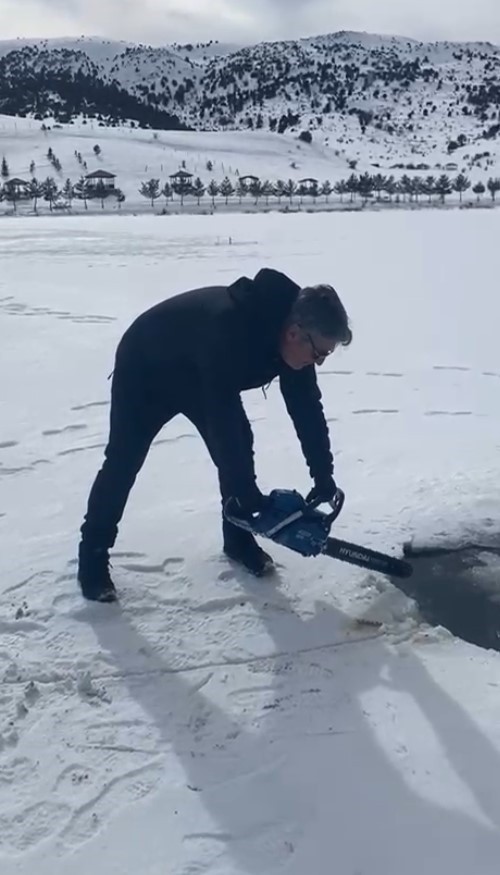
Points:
x=350 y=85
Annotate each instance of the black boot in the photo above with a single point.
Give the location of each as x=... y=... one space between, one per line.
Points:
x=241 y=547
x=93 y=574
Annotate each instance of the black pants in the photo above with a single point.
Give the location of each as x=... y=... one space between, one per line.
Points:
x=140 y=407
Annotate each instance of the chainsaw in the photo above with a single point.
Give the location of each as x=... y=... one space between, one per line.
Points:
x=300 y=526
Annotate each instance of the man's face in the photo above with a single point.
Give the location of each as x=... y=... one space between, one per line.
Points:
x=300 y=348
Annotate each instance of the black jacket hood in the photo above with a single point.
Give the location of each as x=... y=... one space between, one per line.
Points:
x=269 y=297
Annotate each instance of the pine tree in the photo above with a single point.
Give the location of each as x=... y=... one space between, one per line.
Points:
x=390 y=187
x=226 y=188
x=417 y=187
x=5 y=172
x=167 y=191
x=151 y=190
x=213 y=190
x=443 y=187
x=256 y=189
x=35 y=191
x=279 y=189
x=67 y=191
x=407 y=185
x=479 y=189
x=302 y=191
x=12 y=194
x=493 y=187
x=352 y=186
x=314 y=191
x=102 y=192
x=340 y=188
x=290 y=189
x=379 y=182
x=326 y=189
x=50 y=191
x=80 y=190
x=241 y=189
x=365 y=186
x=198 y=189
x=182 y=187
x=430 y=187
x=461 y=184
x=267 y=190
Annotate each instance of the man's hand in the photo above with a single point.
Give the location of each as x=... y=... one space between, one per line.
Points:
x=323 y=492
x=249 y=505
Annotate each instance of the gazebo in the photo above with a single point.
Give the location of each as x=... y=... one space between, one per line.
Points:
x=18 y=186
x=181 y=175
x=101 y=176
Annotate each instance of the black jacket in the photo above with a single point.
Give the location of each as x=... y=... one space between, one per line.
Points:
x=218 y=341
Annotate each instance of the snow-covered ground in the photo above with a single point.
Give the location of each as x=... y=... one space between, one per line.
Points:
x=213 y=723
x=136 y=156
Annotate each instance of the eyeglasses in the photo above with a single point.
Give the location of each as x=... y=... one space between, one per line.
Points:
x=318 y=354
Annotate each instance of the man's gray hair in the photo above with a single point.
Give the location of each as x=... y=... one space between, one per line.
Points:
x=319 y=308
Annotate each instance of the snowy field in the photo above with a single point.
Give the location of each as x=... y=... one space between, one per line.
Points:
x=212 y=723
x=136 y=156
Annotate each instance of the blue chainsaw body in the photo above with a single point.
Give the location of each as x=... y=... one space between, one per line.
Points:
x=290 y=521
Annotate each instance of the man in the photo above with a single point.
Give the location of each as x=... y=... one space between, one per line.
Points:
x=194 y=354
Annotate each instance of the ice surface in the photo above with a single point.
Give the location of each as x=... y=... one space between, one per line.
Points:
x=211 y=723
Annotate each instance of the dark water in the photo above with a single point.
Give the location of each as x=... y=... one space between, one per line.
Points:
x=458 y=588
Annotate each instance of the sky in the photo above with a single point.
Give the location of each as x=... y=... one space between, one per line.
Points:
x=244 y=21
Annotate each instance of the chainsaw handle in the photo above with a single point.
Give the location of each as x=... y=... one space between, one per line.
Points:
x=336 y=505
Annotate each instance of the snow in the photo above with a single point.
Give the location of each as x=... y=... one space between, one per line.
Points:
x=213 y=723
x=136 y=156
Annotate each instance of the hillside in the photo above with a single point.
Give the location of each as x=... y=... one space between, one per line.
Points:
x=32 y=150
x=389 y=92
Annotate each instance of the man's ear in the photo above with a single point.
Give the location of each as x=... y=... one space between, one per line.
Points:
x=292 y=331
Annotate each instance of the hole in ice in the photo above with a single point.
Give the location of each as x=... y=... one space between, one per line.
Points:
x=458 y=587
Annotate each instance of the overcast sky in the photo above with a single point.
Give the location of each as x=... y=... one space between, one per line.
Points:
x=244 y=21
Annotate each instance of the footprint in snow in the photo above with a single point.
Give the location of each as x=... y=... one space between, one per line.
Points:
x=86 y=819
x=154 y=569
x=23 y=830
x=55 y=431
x=91 y=404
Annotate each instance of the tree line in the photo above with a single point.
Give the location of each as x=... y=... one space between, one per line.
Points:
x=49 y=191
x=362 y=186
